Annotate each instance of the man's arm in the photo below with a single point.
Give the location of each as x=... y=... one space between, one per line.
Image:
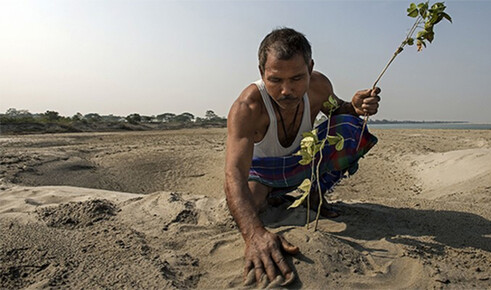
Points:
x=262 y=248
x=363 y=102
x=240 y=144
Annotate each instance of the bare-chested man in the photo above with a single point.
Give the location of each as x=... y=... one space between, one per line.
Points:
x=268 y=118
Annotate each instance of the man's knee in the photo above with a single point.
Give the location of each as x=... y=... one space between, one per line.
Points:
x=260 y=194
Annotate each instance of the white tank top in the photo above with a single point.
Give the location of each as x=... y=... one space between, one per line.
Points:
x=270 y=145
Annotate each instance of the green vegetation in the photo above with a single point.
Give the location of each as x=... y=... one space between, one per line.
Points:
x=22 y=121
x=426 y=18
x=309 y=147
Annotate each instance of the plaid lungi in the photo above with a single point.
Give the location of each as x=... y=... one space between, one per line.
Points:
x=285 y=174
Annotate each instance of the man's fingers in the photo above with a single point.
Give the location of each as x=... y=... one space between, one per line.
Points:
x=263 y=283
x=371 y=100
x=276 y=283
x=370 y=104
x=375 y=91
x=247 y=267
x=250 y=278
x=289 y=280
x=369 y=93
x=259 y=271
x=283 y=266
x=288 y=247
x=270 y=268
x=249 y=273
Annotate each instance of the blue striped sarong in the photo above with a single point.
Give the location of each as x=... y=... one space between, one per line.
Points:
x=285 y=174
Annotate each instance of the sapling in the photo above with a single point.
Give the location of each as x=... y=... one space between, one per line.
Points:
x=426 y=18
x=309 y=147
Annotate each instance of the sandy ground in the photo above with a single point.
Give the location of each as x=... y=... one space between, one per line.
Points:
x=147 y=210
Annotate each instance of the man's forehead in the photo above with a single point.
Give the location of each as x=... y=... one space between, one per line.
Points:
x=274 y=64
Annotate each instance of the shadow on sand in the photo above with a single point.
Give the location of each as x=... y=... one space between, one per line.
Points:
x=366 y=221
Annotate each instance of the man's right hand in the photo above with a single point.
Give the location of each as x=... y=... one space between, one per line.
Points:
x=263 y=256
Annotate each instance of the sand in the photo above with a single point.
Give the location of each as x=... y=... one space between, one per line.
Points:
x=147 y=210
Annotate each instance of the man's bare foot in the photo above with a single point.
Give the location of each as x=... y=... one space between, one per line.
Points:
x=276 y=201
x=326 y=210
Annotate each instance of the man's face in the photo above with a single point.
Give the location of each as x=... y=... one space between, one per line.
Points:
x=286 y=80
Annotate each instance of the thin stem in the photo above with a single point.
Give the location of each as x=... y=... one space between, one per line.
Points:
x=318 y=167
x=399 y=50
x=365 y=121
x=312 y=178
x=319 y=185
x=415 y=25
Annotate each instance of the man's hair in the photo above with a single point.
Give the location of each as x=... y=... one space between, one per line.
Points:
x=285 y=43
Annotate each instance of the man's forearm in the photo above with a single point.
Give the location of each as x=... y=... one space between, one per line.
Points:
x=242 y=209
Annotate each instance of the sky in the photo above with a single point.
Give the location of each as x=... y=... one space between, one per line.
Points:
x=152 y=57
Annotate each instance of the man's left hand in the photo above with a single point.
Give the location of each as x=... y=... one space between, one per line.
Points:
x=366 y=102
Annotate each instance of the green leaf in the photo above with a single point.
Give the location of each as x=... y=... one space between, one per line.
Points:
x=305 y=161
x=428 y=25
x=446 y=16
x=410 y=41
x=317 y=148
x=412 y=11
x=433 y=18
x=438 y=7
x=306 y=157
x=326 y=105
x=307 y=142
x=331 y=103
x=305 y=185
x=340 y=144
x=421 y=34
x=423 y=9
x=302 y=153
x=331 y=140
x=430 y=36
x=312 y=134
x=439 y=18
x=299 y=201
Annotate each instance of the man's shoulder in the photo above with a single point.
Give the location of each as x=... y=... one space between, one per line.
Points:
x=320 y=89
x=319 y=83
x=249 y=99
x=248 y=110
x=250 y=95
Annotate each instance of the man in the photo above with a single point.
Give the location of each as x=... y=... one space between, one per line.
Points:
x=267 y=120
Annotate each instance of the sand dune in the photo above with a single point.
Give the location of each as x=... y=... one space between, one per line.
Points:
x=147 y=210
x=453 y=172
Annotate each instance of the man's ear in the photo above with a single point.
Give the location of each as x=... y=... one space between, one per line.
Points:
x=260 y=70
x=311 y=66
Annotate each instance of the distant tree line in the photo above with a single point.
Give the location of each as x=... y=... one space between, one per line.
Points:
x=12 y=116
x=15 y=117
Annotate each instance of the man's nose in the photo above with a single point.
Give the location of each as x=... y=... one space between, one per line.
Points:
x=286 y=89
